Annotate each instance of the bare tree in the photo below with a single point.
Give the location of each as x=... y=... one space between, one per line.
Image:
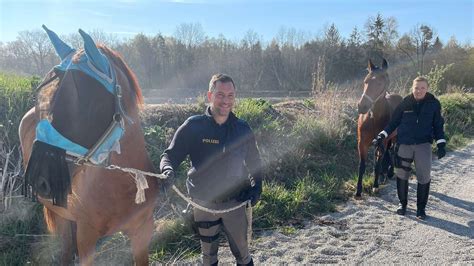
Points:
x=250 y=39
x=190 y=34
x=36 y=45
x=390 y=33
x=416 y=44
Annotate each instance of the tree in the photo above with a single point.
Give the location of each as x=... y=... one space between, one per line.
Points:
x=190 y=34
x=145 y=54
x=374 y=28
x=355 y=39
x=416 y=44
x=437 y=46
x=355 y=58
x=250 y=39
x=35 y=45
x=390 y=32
x=332 y=36
x=407 y=46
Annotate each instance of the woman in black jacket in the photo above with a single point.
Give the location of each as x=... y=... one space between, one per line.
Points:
x=419 y=121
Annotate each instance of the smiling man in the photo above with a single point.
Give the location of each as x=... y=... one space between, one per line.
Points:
x=225 y=170
x=418 y=120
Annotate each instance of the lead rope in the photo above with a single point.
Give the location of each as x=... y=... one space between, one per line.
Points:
x=141 y=183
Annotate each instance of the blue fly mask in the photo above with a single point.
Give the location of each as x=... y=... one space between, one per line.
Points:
x=95 y=66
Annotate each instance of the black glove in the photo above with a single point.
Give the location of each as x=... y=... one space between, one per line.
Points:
x=252 y=194
x=378 y=140
x=169 y=181
x=441 y=150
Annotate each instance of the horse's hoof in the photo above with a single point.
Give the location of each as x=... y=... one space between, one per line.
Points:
x=375 y=190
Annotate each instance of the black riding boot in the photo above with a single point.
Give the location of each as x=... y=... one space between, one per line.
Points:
x=402 y=191
x=248 y=264
x=422 y=193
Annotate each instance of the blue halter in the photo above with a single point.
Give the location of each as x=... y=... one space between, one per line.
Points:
x=96 y=65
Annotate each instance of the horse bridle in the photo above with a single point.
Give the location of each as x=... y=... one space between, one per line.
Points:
x=117 y=118
x=376 y=99
x=372 y=101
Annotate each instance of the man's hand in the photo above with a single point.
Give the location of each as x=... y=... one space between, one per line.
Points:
x=252 y=194
x=441 y=150
x=378 y=140
x=169 y=181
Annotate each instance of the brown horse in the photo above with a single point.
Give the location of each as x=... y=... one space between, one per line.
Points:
x=375 y=108
x=101 y=202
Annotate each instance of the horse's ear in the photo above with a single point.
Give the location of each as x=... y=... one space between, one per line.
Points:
x=62 y=49
x=371 y=66
x=384 y=64
x=95 y=56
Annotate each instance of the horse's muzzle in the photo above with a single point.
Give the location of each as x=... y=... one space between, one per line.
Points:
x=43 y=188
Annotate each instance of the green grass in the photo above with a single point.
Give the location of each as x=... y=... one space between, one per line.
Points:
x=283 y=204
x=309 y=165
x=173 y=241
x=21 y=225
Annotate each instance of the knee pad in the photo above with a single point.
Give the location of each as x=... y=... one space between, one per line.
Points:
x=399 y=163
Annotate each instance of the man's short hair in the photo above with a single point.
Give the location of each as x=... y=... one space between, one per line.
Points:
x=421 y=78
x=224 y=78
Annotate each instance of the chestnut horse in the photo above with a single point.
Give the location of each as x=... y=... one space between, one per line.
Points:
x=375 y=108
x=101 y=201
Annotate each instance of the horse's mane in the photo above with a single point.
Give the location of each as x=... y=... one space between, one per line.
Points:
x=118 y=60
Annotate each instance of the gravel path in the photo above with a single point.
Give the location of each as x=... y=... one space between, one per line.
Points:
x=369 y=231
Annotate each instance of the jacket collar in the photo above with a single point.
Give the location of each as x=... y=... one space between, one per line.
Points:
x=428 y=98
x=230 y=120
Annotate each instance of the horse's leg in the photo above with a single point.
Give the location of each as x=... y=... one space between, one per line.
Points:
x=64 y=229
x=378 y=157
x=390 y=159
x=140 y=240
x=363 y=151
x=86 y=241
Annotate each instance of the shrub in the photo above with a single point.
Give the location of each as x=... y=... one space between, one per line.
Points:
x=436 y=78
x=16 y=97
x=458 y=112
x=259 y=114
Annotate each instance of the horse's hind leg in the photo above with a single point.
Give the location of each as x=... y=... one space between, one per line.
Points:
x=378 y=157
x=140 y=240
x=390 y=153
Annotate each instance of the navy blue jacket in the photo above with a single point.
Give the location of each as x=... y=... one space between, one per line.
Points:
x=222 y=156
x=417 y=121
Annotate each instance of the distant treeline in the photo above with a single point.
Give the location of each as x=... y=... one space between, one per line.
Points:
x=291 y=61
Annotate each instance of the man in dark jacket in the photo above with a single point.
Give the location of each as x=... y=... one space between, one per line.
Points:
x=419 y=120
x=225 y=170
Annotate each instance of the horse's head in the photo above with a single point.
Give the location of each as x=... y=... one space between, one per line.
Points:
x=375 y=85
x=92 y=91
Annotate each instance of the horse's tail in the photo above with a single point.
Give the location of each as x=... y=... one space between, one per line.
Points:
x=50 y=220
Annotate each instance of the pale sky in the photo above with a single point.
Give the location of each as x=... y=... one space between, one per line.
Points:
x=232 y=18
